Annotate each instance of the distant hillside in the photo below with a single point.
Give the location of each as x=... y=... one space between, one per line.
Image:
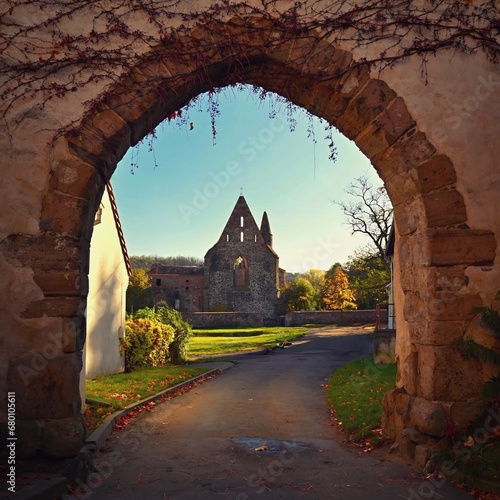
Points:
x=147 y=261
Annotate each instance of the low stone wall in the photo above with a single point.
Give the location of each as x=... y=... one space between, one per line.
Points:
x=295 y=318
x=221 y=319
x=384 y=347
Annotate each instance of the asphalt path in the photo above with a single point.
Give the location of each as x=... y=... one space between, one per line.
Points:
x=260 y=430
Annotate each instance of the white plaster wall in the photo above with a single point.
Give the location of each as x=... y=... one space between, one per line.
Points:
x=108 y=281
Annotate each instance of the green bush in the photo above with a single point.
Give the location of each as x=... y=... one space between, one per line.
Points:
x=146 y=343
x=182 y=329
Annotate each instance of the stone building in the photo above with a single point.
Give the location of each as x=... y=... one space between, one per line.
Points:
x=241 y=272
x=180 y=286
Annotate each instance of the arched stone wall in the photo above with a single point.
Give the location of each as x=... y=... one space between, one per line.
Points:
x=445 y=258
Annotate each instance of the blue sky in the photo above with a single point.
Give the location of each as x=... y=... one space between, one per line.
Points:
x=180 y=205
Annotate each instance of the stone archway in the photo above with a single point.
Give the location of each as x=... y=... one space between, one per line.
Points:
x=445 y=256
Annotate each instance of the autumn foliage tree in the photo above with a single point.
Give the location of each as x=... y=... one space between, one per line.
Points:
x=139 y=290
x=337 y=292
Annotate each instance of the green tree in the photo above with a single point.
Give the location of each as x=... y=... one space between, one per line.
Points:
x=317 y=279
x=139 y=293
x=299 y=296
x=369 y=277
x=337 y=292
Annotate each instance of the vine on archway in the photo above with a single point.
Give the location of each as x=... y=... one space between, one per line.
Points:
x=46 y=49
x=47 y=52
x=209 y=103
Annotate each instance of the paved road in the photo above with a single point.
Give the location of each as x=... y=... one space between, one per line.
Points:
x=202 y=445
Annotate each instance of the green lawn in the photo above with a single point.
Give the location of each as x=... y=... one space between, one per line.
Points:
x=122 y=389
x=355 y=393
x=229 y=340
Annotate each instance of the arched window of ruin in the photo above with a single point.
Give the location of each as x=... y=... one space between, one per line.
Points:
x=240 y=271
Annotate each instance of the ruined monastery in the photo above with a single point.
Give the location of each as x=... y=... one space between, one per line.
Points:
x=241 y=272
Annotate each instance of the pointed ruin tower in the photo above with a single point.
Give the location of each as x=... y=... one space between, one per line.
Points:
x=242 y=271
x=265 y=230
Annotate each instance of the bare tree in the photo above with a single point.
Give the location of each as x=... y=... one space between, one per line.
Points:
x=370 y=212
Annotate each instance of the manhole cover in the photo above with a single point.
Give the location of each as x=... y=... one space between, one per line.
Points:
x=264 y=446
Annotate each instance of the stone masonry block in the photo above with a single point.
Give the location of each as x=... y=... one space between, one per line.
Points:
x=442 y=333
x=408 y=214
x=74 y=333
x=436 y=173
x=130 y=106
x=86 y=142
x=402 y=192
x=404 y=155
x=450 y=306
x=289 y=53
x=59 y=282
x=414 y=307
x=326 y=102
x=108 y=123
x=46 y=251
x=74 y=177
x=449 y=247
x=54 y=307
x=325 y=59
x=446 y=278
x=391 y=124
x=365 y=107
x=395 y=404
x=63 y=438
x=444 y=208
x=407 y=363
x=428 y=417
x=64 y=213
x=445 y=375
x=46 y=385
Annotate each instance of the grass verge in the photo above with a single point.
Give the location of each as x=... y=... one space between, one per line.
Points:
x=354 y=394
x=208 y=342
x=115 y=392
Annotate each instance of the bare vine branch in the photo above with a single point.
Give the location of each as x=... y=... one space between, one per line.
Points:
x=47 y=53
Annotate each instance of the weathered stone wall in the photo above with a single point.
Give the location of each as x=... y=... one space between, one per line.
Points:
x=384 y=346
x=429 y=127
x=181 y=288
x=241 y=238
x=224 y=319
x=294 y=318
